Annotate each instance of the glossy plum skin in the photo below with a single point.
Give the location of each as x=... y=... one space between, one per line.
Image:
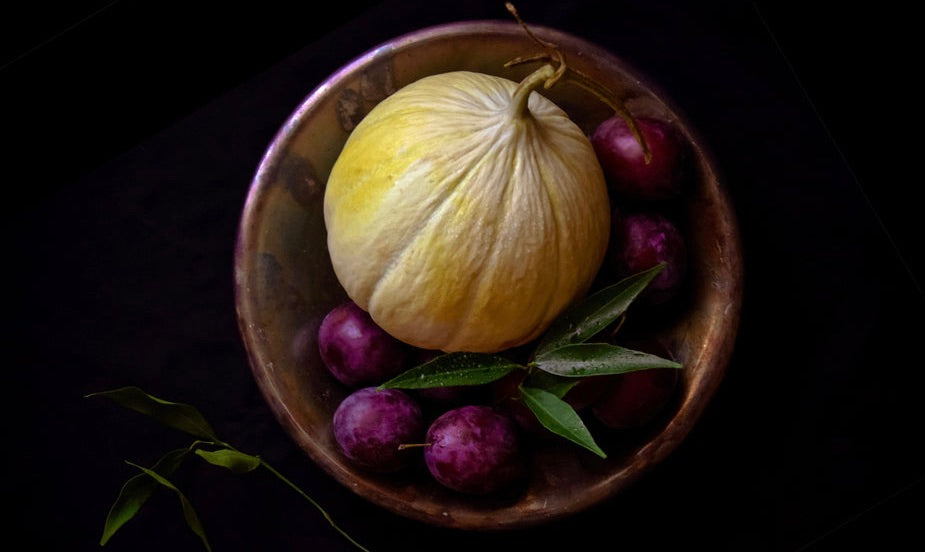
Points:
x=644 y=239
x=369 y=426
x=635 y=398
x=622 y=158
x=474 y=449
x=356 y=350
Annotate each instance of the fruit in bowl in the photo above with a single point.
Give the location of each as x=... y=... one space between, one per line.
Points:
x=474 y=449
x=651 y=169
x=287 y=282
x=453 y=192
x=370 y=427
x=356 y=350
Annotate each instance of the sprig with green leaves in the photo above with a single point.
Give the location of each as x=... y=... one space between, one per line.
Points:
x=139 y=488
x=563 y=355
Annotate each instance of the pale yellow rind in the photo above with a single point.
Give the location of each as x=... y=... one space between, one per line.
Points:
x=461 y=228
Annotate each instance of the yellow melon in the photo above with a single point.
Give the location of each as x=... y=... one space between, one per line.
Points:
x=466 y=211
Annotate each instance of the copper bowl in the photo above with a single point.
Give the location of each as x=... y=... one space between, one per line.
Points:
x=285 y=283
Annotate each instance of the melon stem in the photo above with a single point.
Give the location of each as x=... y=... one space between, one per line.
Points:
x=518 y=108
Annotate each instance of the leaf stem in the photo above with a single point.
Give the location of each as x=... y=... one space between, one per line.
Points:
x=312 y=501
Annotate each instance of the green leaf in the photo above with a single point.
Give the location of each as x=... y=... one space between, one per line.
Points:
x=236 y=461
x=587 y=318
x=136 y=491
x=559 y=417
x=189 y=514
x=557 y=385
x=176 y=415
x=598 y=359
x=453 y=369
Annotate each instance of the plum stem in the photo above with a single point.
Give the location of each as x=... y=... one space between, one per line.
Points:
x=404 y=446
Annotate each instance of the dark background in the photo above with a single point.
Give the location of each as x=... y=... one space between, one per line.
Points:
x=132 y=129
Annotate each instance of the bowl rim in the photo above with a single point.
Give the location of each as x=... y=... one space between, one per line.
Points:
x=660 y=446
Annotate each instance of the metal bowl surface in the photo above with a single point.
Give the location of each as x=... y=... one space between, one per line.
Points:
x=285 y=284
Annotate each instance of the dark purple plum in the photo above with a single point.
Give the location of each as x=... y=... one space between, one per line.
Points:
x=356 y=350
x=635 y=398
x=444 y=396
x=370 y=425
x=585 y=392
x=622 y=158
x=474 y=449
x=641 y=241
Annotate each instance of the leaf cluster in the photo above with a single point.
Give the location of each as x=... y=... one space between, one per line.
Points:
x=563 y=356
x=207 y=446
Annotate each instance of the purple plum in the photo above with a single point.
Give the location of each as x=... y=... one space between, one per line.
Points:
x=635 y=398
x=474 y=449
x=370 y=425
x=356 y=350
x=644 y=239
x=622 y=158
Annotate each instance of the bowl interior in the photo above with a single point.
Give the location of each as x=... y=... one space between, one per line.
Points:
x=285 y=283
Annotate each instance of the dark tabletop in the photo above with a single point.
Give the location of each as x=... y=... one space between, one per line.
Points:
x=132 y=131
